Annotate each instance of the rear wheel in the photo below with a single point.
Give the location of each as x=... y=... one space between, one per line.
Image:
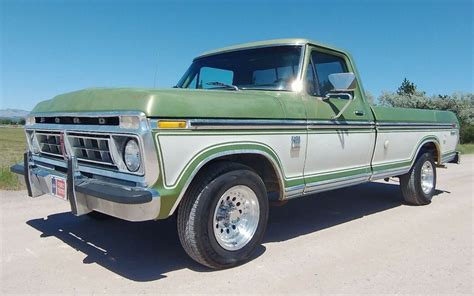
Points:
x=222 y=218
x=419 y=184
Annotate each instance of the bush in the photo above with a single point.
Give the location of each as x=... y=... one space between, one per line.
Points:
x=462 y=104
x=467 y=134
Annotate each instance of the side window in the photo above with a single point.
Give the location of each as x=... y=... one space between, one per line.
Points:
x=207 y=74
x=326 y=64
x=193 y=83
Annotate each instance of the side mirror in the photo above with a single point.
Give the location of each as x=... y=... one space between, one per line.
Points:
x=343 y=84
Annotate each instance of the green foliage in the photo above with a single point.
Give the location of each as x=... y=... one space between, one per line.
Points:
x=407 y=88
x=5 y=121
x=462 y=104
x=465 y=149
x=10 y=121
x=467 y=133
x=415 y=100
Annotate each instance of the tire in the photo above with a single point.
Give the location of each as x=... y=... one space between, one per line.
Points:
x=211 y=211
x=413 y=190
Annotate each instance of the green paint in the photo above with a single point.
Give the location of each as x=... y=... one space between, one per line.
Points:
x=390 y=114
x=180 y=103
x=396 y=165
x=449 y=153
x=253 y=132
x=394 y=130
x=246 y=104
x=337 y=175
x=169 y=193
x=408 y=162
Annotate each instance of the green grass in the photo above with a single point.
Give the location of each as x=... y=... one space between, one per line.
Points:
x=12 y=147
x=466 y=148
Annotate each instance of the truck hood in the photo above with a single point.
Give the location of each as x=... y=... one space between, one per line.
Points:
x=180 y=103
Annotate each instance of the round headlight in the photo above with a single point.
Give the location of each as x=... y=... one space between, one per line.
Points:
x=132 y=156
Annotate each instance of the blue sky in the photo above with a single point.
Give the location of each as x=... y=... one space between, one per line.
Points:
x=52 y=47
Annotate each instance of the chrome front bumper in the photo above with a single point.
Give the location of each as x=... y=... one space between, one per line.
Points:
x=87 y=194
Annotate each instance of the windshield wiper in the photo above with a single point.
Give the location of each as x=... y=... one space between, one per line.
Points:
x=217 y=83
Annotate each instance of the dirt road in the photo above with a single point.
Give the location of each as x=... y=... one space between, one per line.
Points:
x=360 y=239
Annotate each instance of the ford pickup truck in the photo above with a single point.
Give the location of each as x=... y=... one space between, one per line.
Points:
x=245 y=125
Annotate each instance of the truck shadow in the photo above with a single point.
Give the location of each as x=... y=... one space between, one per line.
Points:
x=323 y=210
x=146 y=251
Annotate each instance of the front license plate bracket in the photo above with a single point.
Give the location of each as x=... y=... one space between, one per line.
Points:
x=59 y=187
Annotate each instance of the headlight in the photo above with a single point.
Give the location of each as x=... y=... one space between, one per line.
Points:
x=132 y=156
x=30 y=120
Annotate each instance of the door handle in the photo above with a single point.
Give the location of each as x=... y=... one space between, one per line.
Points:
x=359 y=113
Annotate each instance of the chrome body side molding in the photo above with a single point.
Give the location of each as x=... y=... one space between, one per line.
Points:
x=216 y=123
x=316 y=187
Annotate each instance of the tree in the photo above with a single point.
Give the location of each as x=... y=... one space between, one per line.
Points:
x=462 y=104
x=417 y=100
x=407 y=88
x=407 y=96
x=5 y=121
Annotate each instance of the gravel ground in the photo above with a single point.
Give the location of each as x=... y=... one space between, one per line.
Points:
x=357 y=240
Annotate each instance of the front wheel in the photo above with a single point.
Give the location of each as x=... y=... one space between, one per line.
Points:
x=419 y=184
x=223 y=217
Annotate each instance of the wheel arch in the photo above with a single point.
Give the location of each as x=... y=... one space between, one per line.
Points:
x=430 y=144
x=250 y=156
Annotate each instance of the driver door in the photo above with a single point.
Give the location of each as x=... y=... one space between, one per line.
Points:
x=339 y=150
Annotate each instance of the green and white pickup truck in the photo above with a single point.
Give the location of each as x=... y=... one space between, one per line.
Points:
x=245 y=125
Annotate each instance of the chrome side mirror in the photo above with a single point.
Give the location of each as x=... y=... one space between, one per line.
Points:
x=343 y=84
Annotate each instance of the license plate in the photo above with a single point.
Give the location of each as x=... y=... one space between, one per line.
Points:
x=58 y=187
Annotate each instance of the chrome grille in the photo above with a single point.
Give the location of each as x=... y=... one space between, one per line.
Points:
x=49 y=143
x=96 y=140
x=91 y=148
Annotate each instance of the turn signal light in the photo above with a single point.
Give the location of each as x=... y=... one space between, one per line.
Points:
x=172 y=124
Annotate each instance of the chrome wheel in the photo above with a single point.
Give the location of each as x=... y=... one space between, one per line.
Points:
x=236 y=217
x=427 y=177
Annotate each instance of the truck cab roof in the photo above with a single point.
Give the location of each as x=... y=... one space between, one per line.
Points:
x=273 y=42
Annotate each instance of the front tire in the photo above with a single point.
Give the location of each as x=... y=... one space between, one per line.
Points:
x=223 y=217
x=419 y=184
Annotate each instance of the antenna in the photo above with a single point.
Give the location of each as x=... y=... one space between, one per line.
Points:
x=156 y=72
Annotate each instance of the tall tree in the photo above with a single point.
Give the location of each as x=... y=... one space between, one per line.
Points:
x=407 y=88
x=462 y=104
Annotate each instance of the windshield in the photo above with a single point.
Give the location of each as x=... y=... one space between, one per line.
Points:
x=267 y=68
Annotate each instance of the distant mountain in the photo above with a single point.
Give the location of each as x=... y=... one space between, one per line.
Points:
x=13 y=113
